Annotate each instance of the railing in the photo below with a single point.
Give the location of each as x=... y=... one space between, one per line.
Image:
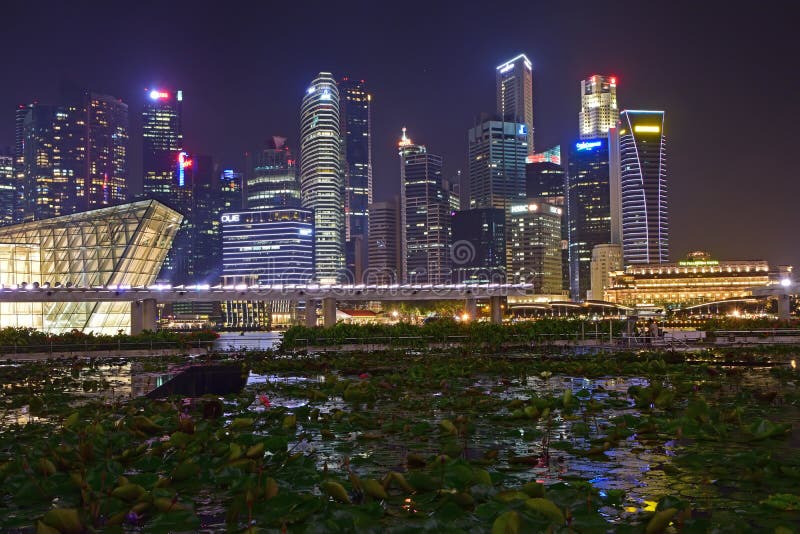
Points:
x=56 y=349
x=774 y=332
x=323 y=343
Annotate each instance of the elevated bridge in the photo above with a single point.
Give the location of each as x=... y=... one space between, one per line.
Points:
x=145 y=299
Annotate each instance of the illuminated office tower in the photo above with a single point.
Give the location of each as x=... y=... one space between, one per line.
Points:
x=54 y=160
x=425 y=215
x=107 y=151
x=162 y=141
x=321 y=176
x=265 y=247
x=642 y=178
x=19 y=159
x=515 y=93
x=8 y=189
x=73 y=156
x=497 y=152
x=599 y=110
x=546 y=180
x=588 y=209
x=356 y=114
x=545 y=176
x=273 y=182
x=534 y=233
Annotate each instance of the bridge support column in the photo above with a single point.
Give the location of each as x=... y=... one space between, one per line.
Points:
x=784 y=307
x=328 y=311
x=311 y=313
x=471 y=307
x=143 y=316
x=495 y=304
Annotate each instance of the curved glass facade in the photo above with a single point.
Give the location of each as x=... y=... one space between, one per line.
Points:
x=321 y=176
x=643 y=187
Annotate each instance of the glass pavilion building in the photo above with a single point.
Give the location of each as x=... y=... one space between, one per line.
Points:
x=121 y=245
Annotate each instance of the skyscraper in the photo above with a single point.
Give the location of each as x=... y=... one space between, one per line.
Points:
x=588 y=209
x=206 y=208
x=72 y=156
x=272 y=246
x=535 y=252
x=546 y=181
x=273 y=182
x=356 y=114
x=162 y=141
x=497 y=152
x=19 y=159
x=515 y=93
x=321 y=177
x=107 y=151
x=181 y=262
x=598 y=106
x=478 y=252
x=642 y=179
x=8 y=189
x=425 y=215
x=385 y=263
x=54 y=160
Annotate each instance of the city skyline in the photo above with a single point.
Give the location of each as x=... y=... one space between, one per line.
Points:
x=684 y=81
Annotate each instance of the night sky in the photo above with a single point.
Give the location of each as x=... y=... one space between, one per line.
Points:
x=722 y=75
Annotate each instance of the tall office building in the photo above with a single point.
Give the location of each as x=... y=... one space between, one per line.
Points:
x=180 y=263
x=588 y=209
x=515 y=94
x=8 y=190
x=107 y=151
x=356 y=114
x=273 y=182
x=206 y=208
x=19 y=159
x=478 y=252
x=546 y=180
x=54 y=160
x=497 y=152
x=385 y=237
x=321 y=176
x=640 y=180
x=535 y=252
x=265 y=247
x=72 y=156
x=425 y=215
x=162 y=142
x=599 y=110
x=453 y=186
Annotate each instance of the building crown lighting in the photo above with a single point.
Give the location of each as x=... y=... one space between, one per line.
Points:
x=404 y=140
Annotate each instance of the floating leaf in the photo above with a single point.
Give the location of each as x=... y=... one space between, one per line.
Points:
x=546 y=508
x=506 y=523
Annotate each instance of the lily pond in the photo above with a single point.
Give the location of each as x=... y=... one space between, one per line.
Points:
x=402 y=441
